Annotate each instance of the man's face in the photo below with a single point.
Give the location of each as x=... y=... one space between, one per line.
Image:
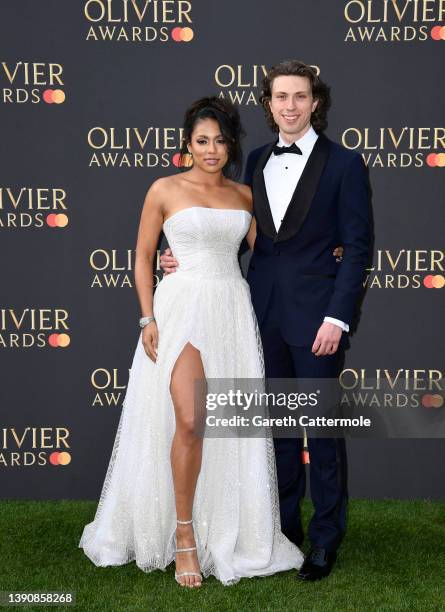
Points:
x=292 y=105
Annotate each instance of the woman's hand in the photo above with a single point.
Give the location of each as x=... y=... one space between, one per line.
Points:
x=338 y=253
x=150 y=338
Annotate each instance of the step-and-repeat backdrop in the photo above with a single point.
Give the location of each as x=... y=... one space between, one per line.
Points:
x=92 y=97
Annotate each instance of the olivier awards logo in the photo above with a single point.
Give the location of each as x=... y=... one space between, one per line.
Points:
x=31 y=82
x=143 y=21
x=387 y=388
x=394 y=20
x=34 y=328
x=241 y=83
x=34 y=446
x=24 y=207
x=108 y=388
x=148 y=147
x=407 y=269
x=405 y=147
x=114 y=269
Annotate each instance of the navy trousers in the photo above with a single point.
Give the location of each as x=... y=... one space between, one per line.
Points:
x=328 y=477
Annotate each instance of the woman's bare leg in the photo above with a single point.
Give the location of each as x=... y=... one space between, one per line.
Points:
x=186 y=452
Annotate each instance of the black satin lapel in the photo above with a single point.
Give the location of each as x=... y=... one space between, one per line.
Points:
x=305 y=190
x=261 y=204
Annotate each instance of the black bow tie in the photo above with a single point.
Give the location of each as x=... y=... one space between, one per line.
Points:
x=292 y=149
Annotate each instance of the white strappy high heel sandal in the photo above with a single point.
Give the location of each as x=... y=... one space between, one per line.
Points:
x=180 y=550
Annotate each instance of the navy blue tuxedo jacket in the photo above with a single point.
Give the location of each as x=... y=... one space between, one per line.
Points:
x=330 y=207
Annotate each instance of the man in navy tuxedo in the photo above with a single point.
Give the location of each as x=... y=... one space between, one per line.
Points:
x=309 y=195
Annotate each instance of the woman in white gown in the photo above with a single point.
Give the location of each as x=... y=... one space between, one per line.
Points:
x=209 y=503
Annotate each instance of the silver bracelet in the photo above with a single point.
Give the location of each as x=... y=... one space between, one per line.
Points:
x=145 y=321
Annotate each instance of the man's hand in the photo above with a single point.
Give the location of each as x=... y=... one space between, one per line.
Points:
x=167 y=262
x=328 y=337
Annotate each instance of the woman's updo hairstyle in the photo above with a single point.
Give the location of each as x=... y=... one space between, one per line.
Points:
x=227 y=116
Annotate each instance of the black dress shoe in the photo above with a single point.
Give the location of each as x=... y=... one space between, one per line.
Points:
x=317 y=565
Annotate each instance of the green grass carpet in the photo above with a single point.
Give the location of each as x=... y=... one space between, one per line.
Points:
x=393 y=558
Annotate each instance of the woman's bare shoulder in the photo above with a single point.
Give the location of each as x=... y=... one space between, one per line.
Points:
x=243 y=191
x=164 y=184
x=162 y=190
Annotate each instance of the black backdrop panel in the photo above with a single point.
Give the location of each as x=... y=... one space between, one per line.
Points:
x=92 y=97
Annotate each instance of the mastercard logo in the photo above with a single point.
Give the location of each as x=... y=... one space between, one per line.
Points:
x=430 y=400
x=434 y=281
x=176 y=160
x=436 y=160
x=62 y=458
x=59 y=340
x=54 y=96
x=182 y=161
x=57 y=220
x=438 y=33
x=182 y=34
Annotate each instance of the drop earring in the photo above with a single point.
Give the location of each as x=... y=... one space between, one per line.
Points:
x=188 y=162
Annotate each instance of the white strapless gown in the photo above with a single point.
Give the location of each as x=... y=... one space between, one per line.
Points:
x=236 y=512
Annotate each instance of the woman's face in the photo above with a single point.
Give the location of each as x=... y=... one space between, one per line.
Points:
x=208 y=146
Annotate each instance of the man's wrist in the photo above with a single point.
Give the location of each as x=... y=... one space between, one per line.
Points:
x=343 y=326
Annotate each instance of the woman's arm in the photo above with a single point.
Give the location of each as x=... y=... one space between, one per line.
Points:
x=150 y=227
x=246 y=193
x=251 y=234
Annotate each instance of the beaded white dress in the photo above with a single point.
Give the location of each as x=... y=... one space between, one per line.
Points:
x=236 y=514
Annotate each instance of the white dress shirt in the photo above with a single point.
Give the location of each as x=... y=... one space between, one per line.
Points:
x=281 y=176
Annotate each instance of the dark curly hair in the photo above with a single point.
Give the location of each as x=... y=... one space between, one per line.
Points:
x=228 y=118
x=320 y=91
